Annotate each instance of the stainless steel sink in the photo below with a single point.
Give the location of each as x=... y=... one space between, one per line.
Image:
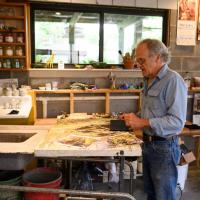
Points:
x=15 y=137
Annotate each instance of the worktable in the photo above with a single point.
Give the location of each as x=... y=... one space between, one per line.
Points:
x=185 y=132
x=97 y=151
x=51 y=147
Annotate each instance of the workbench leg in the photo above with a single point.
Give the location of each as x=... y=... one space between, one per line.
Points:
x=121 y=171
x=198 y=151
x=68 y=174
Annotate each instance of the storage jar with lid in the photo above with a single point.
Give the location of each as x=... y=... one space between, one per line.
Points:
x=8 y=63
x=17 y=63
x=19 y=51
x=20 y=38
x=1 y=51
x=9 y=38
x=4 y=64
x=1 y=37
x=8 y=51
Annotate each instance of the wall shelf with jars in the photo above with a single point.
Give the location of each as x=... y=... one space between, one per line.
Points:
x=13 y=36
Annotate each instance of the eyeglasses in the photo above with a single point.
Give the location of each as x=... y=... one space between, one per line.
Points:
x=140 y=61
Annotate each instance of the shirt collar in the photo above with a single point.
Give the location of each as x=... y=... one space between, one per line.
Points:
x=162 y=71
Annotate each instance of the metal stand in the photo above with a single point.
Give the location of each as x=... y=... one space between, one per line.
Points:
x=120 y=159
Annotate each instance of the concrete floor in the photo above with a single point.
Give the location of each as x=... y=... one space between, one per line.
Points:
x=190 y=192
x=192 y=186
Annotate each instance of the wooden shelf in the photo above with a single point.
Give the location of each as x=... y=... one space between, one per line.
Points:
x=13 y=31
x=7 y=57
x=4 y=4
x=97 y=91
x=12 y=44
x=195 y=89
x=13 y=69
x=107 y=95
x=12 y=17
x=15 y=15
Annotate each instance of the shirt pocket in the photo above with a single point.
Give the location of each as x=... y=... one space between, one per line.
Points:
x=156 y=103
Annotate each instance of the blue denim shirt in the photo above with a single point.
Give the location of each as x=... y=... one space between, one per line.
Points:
x=164 y=103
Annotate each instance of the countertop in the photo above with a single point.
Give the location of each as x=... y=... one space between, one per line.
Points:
x=41 y=128
x=28 y=146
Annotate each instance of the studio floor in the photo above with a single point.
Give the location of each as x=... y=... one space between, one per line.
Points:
x=190 y=192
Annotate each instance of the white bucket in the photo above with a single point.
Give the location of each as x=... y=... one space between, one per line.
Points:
x=182 y=175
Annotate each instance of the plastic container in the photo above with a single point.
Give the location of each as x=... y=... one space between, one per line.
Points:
x=42 y=178
x=182 y=175
x=10 y=178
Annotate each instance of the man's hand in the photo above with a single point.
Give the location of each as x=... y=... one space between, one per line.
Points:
x=134 y=122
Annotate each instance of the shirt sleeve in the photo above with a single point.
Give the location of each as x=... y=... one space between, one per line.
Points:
x=176 y=103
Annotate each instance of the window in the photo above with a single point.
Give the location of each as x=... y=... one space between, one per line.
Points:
x=72 y=36
x=122 y=32
x=79 y=34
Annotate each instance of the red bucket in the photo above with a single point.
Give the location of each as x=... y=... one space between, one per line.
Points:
x=42 y=178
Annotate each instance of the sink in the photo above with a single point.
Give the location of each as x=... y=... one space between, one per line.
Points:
x=15 y=161
x=15 y=137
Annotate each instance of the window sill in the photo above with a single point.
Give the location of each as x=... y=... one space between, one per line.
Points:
x=83 y=73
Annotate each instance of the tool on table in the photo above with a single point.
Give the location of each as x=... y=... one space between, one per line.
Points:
x=118 y=125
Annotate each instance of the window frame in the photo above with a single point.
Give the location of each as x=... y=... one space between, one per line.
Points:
x=165 y=13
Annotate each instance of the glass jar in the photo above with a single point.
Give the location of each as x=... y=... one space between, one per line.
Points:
x=1 y=37
x=1 y=51
x=8 y=63
x=17 y=64
x=20 y=38
x=4 y=64
x=9 y=38
x=19 y=51
x=9 y=51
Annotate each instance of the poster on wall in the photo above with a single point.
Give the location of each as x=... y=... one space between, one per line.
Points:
x=198 y=30
x=187 y=22
x=196 y=109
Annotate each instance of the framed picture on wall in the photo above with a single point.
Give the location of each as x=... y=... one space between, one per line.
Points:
x=186 y=10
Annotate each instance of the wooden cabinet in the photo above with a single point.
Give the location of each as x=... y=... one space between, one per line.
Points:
x=13 y=36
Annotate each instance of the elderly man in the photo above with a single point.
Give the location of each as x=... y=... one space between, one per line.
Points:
x=163 y=114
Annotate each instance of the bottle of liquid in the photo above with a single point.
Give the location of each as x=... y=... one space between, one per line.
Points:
x=187 y=79
x=8 y=63
x=17 y=64
x=1 y=51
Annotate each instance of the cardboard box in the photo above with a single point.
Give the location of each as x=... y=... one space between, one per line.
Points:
x=187 y=156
